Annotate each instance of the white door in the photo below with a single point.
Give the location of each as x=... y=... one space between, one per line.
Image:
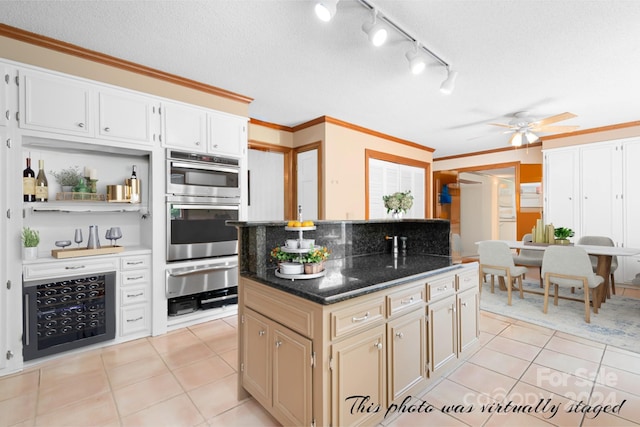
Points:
x=601 y=194
x=266 y=186
x=560 y=181
x=631 y=173
x=307 y=176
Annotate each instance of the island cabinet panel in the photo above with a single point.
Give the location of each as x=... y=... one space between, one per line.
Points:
x=406 y=352
x=358 y=377
x=442 y=333
x=468 y=320
x=276 y=368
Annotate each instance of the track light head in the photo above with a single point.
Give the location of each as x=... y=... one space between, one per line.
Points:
x=450 y=82
x=326 y=9
x=416 y=62
x=375 y=30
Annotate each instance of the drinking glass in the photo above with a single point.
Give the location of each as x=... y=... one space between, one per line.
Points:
x=108 y=235
x=116 y=233
x=78 y=236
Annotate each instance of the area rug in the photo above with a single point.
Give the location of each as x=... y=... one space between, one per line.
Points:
x=617 y=322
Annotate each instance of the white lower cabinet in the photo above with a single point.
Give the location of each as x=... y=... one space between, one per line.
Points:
x=276 y=368
x=135 y=298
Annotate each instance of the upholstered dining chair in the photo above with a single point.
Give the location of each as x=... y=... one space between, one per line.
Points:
x=529 y=257
x=569 y=266
x=601 y=241
x=496 y=259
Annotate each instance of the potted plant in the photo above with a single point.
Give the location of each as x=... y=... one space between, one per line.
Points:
x=68 y=178
x=30 y=240
x=314 y=260
x=562 y=235
x=398 y=203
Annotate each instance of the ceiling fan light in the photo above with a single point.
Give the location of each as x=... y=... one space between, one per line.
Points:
x=516 y=139
x=450 y=82
x=376 y=32
x=531 y=137
x=326 y=9
x=417 y=64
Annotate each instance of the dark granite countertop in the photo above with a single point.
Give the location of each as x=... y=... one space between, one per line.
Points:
x=354 y=276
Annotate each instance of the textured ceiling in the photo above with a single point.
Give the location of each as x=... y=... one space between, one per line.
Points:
x=540 y=56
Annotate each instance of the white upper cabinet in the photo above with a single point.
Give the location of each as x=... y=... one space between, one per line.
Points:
x=125 y=116
x=560 y=188
x=184 y=127
x=228 y=134
x=52 y=103
x=5 y=112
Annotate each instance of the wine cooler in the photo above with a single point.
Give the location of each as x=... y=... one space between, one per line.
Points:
x=68 y=313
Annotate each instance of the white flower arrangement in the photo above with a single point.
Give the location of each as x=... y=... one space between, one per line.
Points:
x=398 y=202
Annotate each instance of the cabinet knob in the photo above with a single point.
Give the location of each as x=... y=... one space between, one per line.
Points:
x=278 y=343
x=378 y=345
x=107 y=129
x=464 y=304
x=215 y=145
x=80 y=125
x=399 y=335
x=405 y=301
x=261 y=333
x=197 y=142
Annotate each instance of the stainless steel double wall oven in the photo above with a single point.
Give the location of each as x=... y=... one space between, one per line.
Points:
x=203 y=192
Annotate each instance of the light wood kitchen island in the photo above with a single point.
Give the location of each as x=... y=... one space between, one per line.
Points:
x=345 y=348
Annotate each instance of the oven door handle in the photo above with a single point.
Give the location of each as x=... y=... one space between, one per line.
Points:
x=234 y=208
x=204 y=270
x=204 y=167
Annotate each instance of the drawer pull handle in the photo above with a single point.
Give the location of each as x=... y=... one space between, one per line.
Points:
x=134 y=262
x=399 y=335
x=360 y=319
x=378 y=345
x=405 y=302
x=76 y=267
x=261 y=333
x=442 y=288
x=134 y=320
x=135 y=278
x=135 y=295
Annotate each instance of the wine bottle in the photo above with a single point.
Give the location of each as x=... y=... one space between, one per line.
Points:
x=42 y=186
x=29 y=183
x=135 y=186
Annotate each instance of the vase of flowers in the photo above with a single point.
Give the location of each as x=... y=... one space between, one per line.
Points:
x=314 y=259
x=398 y=203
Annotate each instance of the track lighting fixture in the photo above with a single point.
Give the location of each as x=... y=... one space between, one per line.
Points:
x=416 y=62
x=375 y=30
x=449 y=84
x=326 y=9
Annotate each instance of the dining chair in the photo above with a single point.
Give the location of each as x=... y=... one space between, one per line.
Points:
x=569 y=266
x=496 y=259
x=602 y=241
x=529 y=257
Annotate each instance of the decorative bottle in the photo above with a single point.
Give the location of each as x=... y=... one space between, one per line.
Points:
x=29 y=183
x=135 y=186
x=42 y=186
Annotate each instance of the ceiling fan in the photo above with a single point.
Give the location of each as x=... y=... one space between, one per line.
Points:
x=524 y=127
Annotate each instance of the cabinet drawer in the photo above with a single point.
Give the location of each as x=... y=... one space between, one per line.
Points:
x=68 y=268
x=134 y=319
x=282 y=311
x=133 y=295
x=441 y=287
x=132 y=277
x=356 y=317
x=467 y=280
x=402 y=301
x=135 y=262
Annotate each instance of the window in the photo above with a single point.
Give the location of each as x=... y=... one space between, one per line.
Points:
x=387 y=178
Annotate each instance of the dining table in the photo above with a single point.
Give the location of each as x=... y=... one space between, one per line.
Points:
x=604 y=255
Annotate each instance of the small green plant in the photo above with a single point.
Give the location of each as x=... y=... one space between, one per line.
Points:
x=317 y=254
x=279 y=255
x=562 y=233
x=30 y=238
x=68 y=177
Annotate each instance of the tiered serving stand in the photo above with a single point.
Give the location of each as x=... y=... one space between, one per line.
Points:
x=300 y=231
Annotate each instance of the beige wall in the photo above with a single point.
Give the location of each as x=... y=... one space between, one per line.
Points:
x=344 y=178
x=524 y=155
x=586 y=138
x=41 y=57
x=269 y=135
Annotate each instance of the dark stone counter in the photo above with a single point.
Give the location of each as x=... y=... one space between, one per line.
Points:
x=351 y=277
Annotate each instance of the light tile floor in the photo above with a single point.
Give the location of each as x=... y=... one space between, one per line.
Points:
x=188 y=378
